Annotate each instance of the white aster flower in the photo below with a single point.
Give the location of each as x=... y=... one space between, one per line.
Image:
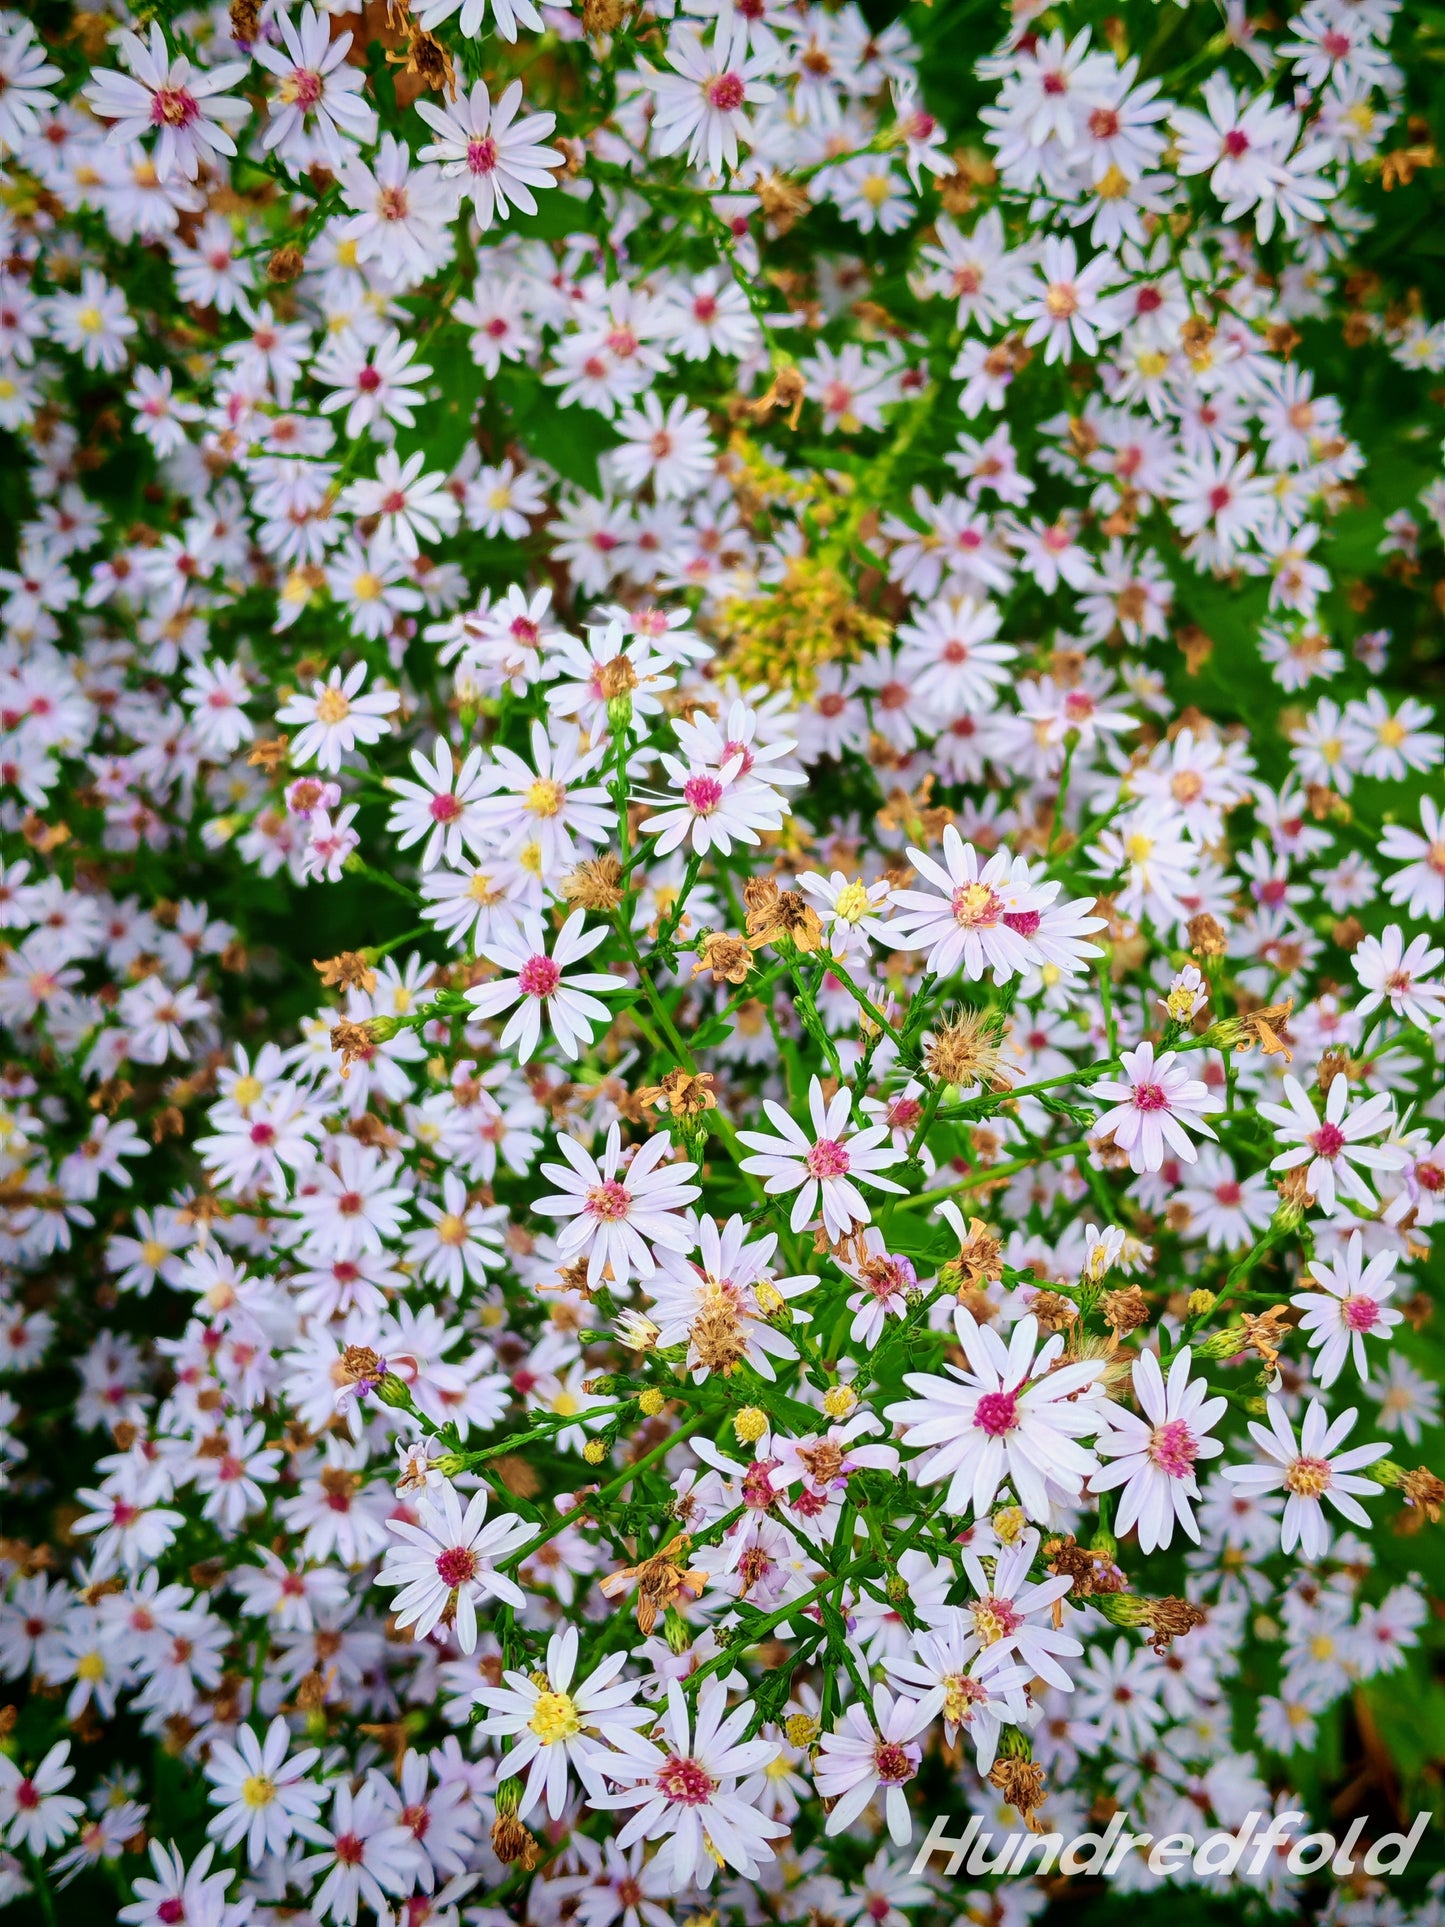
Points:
x=1010 y=1416
x=446 y=1564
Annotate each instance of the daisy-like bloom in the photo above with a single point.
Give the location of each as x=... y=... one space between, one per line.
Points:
x=1012 y=1618
x=467 y=905
x=592 y=674
x=617 y=1219
x=829 y=1165
x=850 y=909
x=684 y=1785
x=1008 y=1416
x=715 y=811
x=377 y=382
x=443 y=807
x=1224 y=1208
x=446 y=1564
x=1420 y=886
x=979 y=923
x=34 y=1813
x=540 y=810
x=556 y=1727
x=177 y=1894
x=367 y=1855
x=320 y=110
x=672 y=449
x=411 y=507
x=1155 y=1456
x=534 y=981
x=1330 y=1147
x=718 y=1304
x=129 y=1536
x=1350 y=1308
x=1066 y=305
x=948 y=655
x=1391 y=972
x=702 y=105
x=981 y=1695
x=460 y=1240
x=187 y=106
x=262 y=1793
x=858 y=1759
x=1152 y=1103
x=25 y=80
x=494 y=159
x=335 y=717
x=884 y=1279
x=1309 y=1472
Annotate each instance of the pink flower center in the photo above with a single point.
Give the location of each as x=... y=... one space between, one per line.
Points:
x=725 y=93
x=1361 y=1314
x=1228 y=1193
x=1328 y=1141
x=482 y=155
x=1236 y=142
x=758 y=1489
x=369 y=380
x=828 y=1159
x=1150 y=1097
x=1174 y=1448
x=173 y=107
x=996 y=1413
x=349 y=1850
x=995 y=1619
x=444 y=809
x=26 y=1797
x=263 y=1135
x=702 y=794
x=1308 y=1478
x=305 y=86
x=977 y=907
x=538 y=977
x=894 y=1763
x=171 y=1911
x=456 y=1565
x=609 y=1201
x=685 y=1782
x=1025 y=922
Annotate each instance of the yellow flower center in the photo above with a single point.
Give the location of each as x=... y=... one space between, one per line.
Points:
x=852 y=903
x=554 y=1718
x=545 y=798
x=258 y=1791
x=332 y=705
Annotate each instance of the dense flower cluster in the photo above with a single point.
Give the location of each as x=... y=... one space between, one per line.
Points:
x=721 y=853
